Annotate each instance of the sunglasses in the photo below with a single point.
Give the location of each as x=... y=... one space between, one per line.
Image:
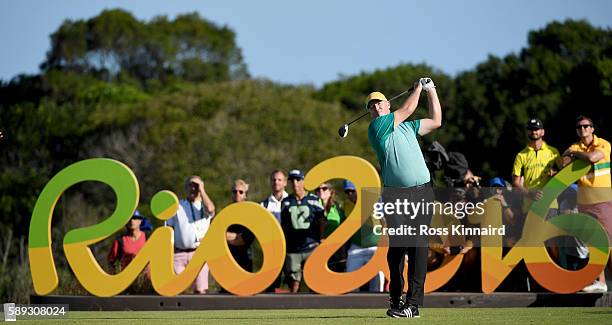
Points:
x=349 y=191
x=238 y=191
x=583 y=126
x=322 y=188
x=373 y=103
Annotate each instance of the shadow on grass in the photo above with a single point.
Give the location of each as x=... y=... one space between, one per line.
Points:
x=293 y=317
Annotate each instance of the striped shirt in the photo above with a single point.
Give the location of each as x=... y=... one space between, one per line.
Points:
x=598 y=179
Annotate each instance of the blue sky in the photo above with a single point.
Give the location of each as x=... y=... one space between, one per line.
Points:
x=316 y=41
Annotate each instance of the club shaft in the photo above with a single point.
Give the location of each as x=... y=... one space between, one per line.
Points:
x=359 y=118
x=402 y=93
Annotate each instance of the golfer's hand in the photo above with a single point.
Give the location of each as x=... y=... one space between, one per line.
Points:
x=418 y=86
x=427 y=83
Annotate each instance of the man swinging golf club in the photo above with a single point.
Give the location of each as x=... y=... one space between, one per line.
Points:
x=405 y=177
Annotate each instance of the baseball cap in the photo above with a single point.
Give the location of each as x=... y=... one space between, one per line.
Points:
x=146 y=225
x=348 y=185
x=296 y=174
x=534 y=124
x=497 y=182
x=374 y=96
x=137 y=215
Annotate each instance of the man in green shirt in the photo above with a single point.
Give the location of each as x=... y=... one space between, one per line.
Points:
x=405 y=177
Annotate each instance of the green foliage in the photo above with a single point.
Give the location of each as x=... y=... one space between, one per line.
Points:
x=565 y=71
x=15 y=285
x=110 y=94
x=115 y=45
x=352 y=91
x=199 y=115
x=561 y=74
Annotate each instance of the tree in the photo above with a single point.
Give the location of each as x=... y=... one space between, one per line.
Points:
x=565 y=70
x=116 y=46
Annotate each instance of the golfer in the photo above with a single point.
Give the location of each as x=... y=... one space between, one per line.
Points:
x=405 y=177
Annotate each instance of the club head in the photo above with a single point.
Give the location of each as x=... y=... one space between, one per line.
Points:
x=343 y=131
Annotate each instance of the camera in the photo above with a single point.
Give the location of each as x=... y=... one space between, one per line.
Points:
x=454 y=250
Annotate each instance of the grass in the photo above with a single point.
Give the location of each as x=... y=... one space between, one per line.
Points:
x=453 y=316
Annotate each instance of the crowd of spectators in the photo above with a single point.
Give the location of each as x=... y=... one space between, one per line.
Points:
x=307 y=218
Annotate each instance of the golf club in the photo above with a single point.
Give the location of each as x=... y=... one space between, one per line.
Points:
x=343 y=130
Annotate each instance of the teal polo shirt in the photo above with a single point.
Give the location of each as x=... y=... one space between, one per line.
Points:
x=398 y=151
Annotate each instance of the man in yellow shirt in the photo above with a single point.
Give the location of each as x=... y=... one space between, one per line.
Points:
x=534 y=166
x=594 y=192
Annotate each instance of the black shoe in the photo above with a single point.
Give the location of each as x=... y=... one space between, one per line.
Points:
x=397 y=312
x=412 y=311
x=396 y=309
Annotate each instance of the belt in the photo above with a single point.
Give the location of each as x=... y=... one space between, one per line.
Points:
x=187 y=250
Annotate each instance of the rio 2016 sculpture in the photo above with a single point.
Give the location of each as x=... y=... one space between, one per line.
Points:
x=158 y=250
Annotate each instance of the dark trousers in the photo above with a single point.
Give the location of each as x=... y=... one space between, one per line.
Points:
x=414 y=246
x=417 y=270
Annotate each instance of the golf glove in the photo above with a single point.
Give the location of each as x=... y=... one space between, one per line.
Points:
x=427 y=83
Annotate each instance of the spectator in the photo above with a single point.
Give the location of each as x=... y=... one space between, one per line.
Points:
x=513 y=227
x=519 y=279
x=190 y=224
x=460 y=195
x=534 y=166
x=574 y=254
x=472 y=187
x=240 y=238
x=278 y=182
x=594 y=193
x=467 y=277
x=334 y=215
x=126 y=247
x=303 y=222
x=363 y=244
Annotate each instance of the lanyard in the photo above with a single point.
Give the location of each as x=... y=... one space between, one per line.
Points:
x=193 y=212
